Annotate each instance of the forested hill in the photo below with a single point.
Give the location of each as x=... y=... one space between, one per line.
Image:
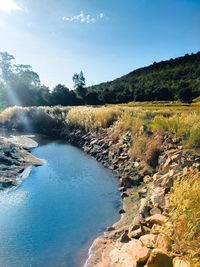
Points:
x=174 y=79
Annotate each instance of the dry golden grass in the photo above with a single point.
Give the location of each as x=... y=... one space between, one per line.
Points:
x=7 y=113
x=182 y=121
x=185 y=214
x=90 y=118
x=146 y=148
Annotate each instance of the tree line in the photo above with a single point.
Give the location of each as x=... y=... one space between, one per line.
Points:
x=174 y=79
x=20 y=85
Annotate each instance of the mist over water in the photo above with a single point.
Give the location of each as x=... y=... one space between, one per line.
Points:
x=55 y=213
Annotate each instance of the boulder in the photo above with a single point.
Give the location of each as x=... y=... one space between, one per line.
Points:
x=122 y=211
x=110 y=228
x=143 y=210
x=163 y=242
x=142 y=254
x=136 y=233
x=158 y=258
x=124 y=195
x=158 y=197
x=124 y=237
x=148 y=240
x=123 y=255
x=155 y=210
x=137 y=222
x=116 y=234
x=156 y=219
x=127 y=182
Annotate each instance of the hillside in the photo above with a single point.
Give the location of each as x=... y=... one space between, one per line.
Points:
x=174 y=79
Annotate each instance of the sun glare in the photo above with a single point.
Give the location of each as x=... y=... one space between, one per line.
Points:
x=8 y=6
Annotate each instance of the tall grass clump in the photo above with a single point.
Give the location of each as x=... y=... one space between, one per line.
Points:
x=9 y=112
x=146 y=148
x=89 y=118
x=33 y=119
x=185 y=214
x=127 y=122
x=184 y=124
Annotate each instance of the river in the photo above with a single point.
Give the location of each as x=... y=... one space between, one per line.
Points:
x=53 y=216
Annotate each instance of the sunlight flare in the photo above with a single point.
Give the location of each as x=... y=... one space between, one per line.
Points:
x=9 y=6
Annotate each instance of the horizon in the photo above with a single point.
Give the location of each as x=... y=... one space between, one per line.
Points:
x=105 y=41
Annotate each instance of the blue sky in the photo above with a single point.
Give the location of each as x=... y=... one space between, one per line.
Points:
x=104 y=38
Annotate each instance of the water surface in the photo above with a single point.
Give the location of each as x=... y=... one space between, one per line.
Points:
x=56 y=212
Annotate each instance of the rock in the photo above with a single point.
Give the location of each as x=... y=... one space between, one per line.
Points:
x=167 y=181
x=123 y=254
x=159 y=259
x=158 y=197
x=137 y=222
x=155 y=229
x=148 y=240
x=116 y=234
x=176 y=157
x=163 y=242
x=156 y=219
x=23 y=140
x=110 y=228
x=136 y=233
x=136 y=164
x=142 y=254
x=155 y=210
x=124 y=238
x=167 y=164
x=122 y=211
x=146 y=229
x=16 y=161
x=180 y=262
x=167 y=202
x=143 y=210
x=123 y=195
x=142 y=192
x=147 y=170
x=93 y=142
x=127 y=182
x=147 y=179
x=122 y=189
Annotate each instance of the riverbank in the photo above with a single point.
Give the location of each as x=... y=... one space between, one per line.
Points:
x=152 y=151
x=145 y=196
x=16 y=161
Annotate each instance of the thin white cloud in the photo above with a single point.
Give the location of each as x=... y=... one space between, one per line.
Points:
x=82 y=18
x=9 y=6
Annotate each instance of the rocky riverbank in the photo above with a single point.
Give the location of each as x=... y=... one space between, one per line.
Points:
x=16 y=160
x=139 y=239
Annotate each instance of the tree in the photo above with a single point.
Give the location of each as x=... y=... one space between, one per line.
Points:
x=79 y=84
x=5 y=65
x=20 y=85
x=184 y=95
x=60 y=95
